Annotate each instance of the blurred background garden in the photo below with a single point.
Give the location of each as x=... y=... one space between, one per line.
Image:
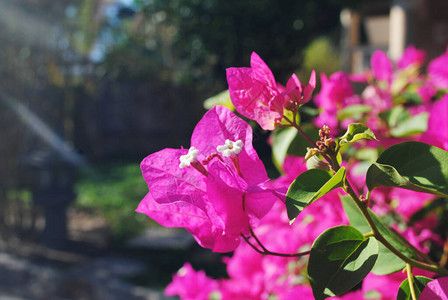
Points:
x=88 y=88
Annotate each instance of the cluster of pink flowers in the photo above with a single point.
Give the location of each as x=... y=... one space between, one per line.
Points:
x=219 y=191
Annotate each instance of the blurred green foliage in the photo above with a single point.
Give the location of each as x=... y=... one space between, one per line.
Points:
x=193 y=42
x=322 y=56
x=115 y=190
x=22 y=195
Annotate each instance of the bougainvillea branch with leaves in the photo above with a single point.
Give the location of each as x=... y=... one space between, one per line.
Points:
x=359 y=211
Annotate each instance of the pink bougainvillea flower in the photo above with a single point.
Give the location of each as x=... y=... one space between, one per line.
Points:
x=256 y=276
x=255 y=94
x=215 y=189
x=411 y=57
x=353 y=295
x=436 y=289
x=297 y=92
x=409 y=202
x=302 y=292
x=247 y=275
x=438 y=72
x=385 y=285
x=191 y=285
x=336 y=93
x=426 y=92
x=381 y=66
x=335 y=89
x=437 y=132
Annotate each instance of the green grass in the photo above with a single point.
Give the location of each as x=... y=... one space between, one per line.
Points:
x=115 y=190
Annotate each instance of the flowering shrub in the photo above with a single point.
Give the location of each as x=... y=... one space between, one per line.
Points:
x=356 y=214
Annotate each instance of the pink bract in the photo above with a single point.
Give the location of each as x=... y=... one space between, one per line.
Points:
x=381 y=66
x=299 y=93
x=336 y=93
x=302 y=291
x=436 y=289
x=255 y=94
x=386 y=285
x=438 y=72
x=209 y=207
x=335 y=90
x=437 y=132
x=191 y=285
x=411 y=56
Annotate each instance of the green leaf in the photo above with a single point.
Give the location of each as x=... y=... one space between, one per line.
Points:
x=281 y=142
x=394 y=116
x=354 y=215
x=411 y=126
x=315 y=162
x=367 y=154
x=287 y=141
x=387 y=262
x=402 y=124
x=411 y=165
x=339 y=259
x=310 y=186
x=404 y=292
x=222 y=98
x=409 y=97
x=353 y=111
x=355 y=132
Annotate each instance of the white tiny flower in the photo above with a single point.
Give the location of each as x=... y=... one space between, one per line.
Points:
x=187 y=159
x=230 y=149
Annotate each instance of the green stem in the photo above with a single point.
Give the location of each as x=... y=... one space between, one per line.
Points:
x=411 y=281
x=312 y=143
x=297 y=127
x=369 y=234
x=444 y=258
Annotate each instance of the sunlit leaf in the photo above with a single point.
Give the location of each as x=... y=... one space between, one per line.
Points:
x=281 y=141
x=411 y=165
x=411 y=126
x=310 y=186
x=340 y=258
x=223 y=98
x=387 y=262
x=355 y=132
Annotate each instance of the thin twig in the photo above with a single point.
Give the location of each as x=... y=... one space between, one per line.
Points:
x=267 y=252
x=297 y=127
x=444 y=258
x=252 y=233
x=411 y=281
x=252 y=245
